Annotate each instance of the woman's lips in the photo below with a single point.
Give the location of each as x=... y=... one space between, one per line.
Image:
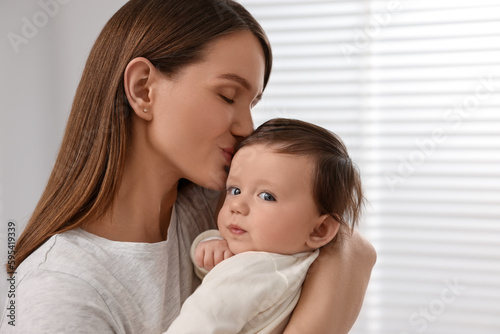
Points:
x=235 y=229
x=228 y=154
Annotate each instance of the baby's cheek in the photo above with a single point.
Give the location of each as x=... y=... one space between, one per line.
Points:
x=221 y=218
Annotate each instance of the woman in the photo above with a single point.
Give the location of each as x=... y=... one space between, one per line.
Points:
x=164 y=98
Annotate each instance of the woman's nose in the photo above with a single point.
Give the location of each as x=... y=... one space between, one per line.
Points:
x=243 y=124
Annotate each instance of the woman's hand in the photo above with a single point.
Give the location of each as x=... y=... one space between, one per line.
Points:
x=334 y=289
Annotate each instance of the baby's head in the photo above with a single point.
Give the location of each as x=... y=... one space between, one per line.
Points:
x=290 y=186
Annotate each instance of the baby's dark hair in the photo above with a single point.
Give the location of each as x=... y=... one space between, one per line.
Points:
x=336 y=180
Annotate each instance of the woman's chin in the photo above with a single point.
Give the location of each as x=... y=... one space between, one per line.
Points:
x=215 y=181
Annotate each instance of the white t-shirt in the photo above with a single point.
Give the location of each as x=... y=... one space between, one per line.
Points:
x=77 y=282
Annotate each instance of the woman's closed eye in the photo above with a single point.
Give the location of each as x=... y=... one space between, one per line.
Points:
x=226 y=99
x=267 y=197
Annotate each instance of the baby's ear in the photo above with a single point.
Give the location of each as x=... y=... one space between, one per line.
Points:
x=324 y=231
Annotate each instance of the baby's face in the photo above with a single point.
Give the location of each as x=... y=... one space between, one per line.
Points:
x=269 y=204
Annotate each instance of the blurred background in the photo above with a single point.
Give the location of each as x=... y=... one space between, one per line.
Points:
x=413 y=88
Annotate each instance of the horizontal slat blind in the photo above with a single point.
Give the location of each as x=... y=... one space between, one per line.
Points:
x=413 y=89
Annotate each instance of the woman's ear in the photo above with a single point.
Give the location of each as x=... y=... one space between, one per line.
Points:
x=137 y=81
x=324 y=232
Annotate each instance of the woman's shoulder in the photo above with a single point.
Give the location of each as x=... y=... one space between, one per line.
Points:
x=80 y=254
x=79 y=248
x=58 y=254
x=41 y=282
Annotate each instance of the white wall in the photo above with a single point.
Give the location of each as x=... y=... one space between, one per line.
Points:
x=43 y=48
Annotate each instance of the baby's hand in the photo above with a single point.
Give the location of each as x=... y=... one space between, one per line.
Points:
x=210 y=253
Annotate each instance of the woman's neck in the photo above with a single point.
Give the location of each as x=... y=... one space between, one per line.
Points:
x=143 y=206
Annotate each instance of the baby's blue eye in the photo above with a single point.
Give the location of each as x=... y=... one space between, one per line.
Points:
x=233 y=191
x=267 y=197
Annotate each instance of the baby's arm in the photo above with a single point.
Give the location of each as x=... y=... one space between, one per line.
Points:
x=210 y=253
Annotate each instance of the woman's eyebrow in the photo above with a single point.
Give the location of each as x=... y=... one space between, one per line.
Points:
x=238 y=79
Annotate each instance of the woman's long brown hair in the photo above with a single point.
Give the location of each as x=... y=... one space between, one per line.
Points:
x=89 y=167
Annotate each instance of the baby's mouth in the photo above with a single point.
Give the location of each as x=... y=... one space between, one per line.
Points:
x=235 y=229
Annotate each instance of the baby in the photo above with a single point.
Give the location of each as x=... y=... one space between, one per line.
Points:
x=290 y=188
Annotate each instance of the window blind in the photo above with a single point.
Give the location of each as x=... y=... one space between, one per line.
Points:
x=412 y=87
